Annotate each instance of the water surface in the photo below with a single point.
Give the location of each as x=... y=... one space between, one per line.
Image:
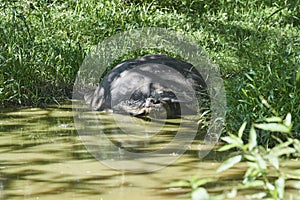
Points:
x=42 y=156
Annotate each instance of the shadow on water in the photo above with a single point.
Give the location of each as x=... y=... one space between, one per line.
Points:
x=43 y=157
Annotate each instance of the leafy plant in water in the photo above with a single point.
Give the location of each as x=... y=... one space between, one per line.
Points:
x=263 y=163
x=198 y=191
x=264 y=169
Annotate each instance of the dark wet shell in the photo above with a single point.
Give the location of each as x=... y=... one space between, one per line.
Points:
x=161 y=80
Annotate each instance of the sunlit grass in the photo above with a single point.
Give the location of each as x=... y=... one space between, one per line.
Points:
x=255 y=44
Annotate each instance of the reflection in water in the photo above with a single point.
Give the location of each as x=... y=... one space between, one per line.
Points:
x=131 y=144
x=43 y=157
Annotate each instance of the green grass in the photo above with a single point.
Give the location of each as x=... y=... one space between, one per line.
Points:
x=256 y=45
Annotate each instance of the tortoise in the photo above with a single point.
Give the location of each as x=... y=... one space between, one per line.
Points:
x=158 y=86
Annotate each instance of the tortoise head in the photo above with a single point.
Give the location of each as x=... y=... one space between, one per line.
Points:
x=161 y=108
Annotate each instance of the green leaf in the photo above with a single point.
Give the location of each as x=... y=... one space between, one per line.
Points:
x=252 y=139
x=282 y=151
x=270 y=186
x=200 y=194
x=249 y=158
x=296 y=144
x=229 y=163
x=273 y=127
x=249 y=77
x=282 y=145
x=273 y=160
x=255 y=183
x=226 y=147
x=232 y=139
x=261 y=162
x=288 y=120
x=279 y=184
x=248 y=176
x=241 y=130
x=273 y=119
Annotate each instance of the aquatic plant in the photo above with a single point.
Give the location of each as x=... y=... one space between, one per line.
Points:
x=264 y=171
x=264 y=168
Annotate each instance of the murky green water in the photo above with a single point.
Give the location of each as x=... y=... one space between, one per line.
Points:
x=43 y=157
